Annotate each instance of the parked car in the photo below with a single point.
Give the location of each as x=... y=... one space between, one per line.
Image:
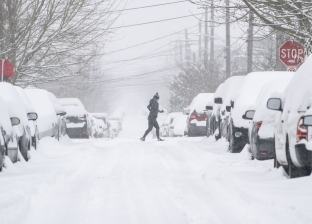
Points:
x=17 y=109
x=48 y=124
x=114 y=128
x=8 y=137
x=76 y=118
x=246 y=97
x=97 y=127
x=178 y=126
x=104 y=117
x=118 y=121
x=261 y=129
x=290 y=130
x=164 y=128
x=31 y=115
x=196 y=119
x=231 y=86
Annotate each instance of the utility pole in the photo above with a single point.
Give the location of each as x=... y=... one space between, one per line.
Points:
x=199 y=42
x=250 y=42
x=187 y=50
x=1 y=28
x=211 y=64
x=206 y=39
x=228 y=39
x=181 y=54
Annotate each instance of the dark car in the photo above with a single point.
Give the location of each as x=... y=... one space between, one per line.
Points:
x=76 y=118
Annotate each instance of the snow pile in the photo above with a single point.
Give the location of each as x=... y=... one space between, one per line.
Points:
x=179 y=125
x=249 y=92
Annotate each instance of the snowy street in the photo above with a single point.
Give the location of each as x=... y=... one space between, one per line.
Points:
x=124 y=180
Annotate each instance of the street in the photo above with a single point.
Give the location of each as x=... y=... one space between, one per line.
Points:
x=124 y=180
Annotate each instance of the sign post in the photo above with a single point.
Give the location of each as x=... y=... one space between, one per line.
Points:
x=291 y=53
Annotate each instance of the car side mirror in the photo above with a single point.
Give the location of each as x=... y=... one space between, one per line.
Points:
x=228 y=108
x=209 y=108
x=274 y=104
x=15 y=121
x=218 y=100
x=186 y=111
x=32 y=116
x=232 y=103
x=249 y=115
x=307 y=120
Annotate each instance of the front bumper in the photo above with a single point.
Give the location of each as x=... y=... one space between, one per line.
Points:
x=303 y=155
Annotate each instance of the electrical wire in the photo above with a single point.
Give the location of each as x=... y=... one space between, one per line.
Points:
x=148 y=6
x=156 y=21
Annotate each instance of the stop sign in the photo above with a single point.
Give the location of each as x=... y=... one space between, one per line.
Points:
x=291 y=53
x=6 y=68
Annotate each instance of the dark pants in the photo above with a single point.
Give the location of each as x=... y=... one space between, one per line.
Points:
x=152 y=124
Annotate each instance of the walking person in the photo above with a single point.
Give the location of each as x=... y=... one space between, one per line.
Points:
x=153 y=107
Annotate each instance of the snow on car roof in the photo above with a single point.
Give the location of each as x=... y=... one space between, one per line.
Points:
x=200 y=101
x=262 y=111
x=73 y=106
x=100 y=115
x=249 y=92
x=299 y=88
x=5 y=117
x=28 y=105
x=15 y=102
x=44 y=108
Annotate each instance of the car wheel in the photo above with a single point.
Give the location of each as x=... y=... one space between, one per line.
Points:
x=24 y=150
x=1 y=160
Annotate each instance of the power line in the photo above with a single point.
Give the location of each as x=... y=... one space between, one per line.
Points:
x=148 y=6
x=156 y=21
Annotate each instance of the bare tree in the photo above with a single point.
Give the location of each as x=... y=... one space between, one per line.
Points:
x=54 y=40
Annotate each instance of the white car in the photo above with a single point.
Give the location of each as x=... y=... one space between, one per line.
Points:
x=164 y=128
x=32 y=116
x=246 y=97
x=104 y=117
x=47 y=119
x=261 y=129
x=17 y=109
x=290 y=132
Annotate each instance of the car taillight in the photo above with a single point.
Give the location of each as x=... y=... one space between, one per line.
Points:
x=193 y=115
x=302 y=130
x=258 y=125
x=84 y=117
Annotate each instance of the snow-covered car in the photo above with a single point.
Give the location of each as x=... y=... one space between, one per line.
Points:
x=97 y=127
x=60 y=114
x=289 y=129
x=116 y=119
x=32 y=116
x=114 y=128
x=76 y=118
x=261 y=129
x=196 y=119
x=214 y=116
x=178 y=126
x=164 y=128
x=241 y=102
x=17 y=109
x=47 y=118
x=104 y=117
x=8 y=138
x=231 y=86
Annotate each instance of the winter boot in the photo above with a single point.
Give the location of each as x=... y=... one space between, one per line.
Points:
x=142 y=139
x=159 y=139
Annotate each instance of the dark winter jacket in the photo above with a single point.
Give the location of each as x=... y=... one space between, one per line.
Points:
x=153 y=107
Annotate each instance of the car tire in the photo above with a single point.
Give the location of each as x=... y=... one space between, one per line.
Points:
x=24 y=151
x=1 y=161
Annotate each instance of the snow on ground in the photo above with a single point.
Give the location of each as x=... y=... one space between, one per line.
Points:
x=181 y=180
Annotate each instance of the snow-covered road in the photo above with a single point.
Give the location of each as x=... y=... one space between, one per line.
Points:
x=181 y=180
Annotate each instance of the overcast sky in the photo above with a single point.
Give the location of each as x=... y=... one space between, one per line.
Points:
x=143 y=87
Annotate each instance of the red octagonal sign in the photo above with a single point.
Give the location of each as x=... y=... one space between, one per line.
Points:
x=6 y=68
x=291 y=53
